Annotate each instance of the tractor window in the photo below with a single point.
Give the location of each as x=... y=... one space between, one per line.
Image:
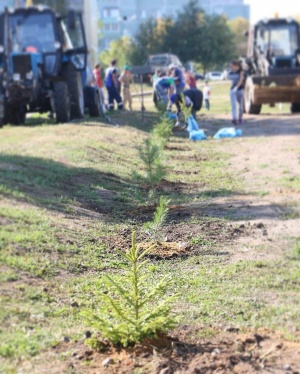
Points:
x=262 y=40
x=74 y=38
x=32 y=33
x=283 y=41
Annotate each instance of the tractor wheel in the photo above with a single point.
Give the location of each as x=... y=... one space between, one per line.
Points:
x=61 y=102
x=250 y=108
x=15 y=115
x=295 y=108
x=95 y=109
x=74 y=81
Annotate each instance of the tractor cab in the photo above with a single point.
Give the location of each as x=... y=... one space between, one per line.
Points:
x=276 y=45
x=40 y=50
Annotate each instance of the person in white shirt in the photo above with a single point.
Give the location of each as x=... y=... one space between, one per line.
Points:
x=206 y=95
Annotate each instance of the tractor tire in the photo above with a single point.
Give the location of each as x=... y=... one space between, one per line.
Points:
x=15 y=115
x=295 y=108
x=61 y=102
x=74 y=81
x=95 y=109
x=249 y=107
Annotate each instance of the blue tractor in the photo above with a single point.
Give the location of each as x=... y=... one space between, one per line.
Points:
x=43 y=59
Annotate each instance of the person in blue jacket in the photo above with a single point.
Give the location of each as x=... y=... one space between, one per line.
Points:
x=163 y=89
x=112 y=86
x=178 y=76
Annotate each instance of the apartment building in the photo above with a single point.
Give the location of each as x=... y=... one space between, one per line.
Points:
x=119 y=17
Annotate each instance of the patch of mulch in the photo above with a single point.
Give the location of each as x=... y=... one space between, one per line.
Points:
x=226 y=352
x=165 y=250
x=183 y=238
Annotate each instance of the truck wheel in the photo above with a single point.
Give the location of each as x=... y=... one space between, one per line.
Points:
x=61 y=102
x=74 y=81
x=95 y=109
x=295 y=108
x=250 y=108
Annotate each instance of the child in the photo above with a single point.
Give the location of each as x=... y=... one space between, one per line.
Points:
x=237 y=91
x=206 y=95
x=125 y=80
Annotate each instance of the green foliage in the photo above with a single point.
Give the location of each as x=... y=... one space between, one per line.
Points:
x=238 y=26
x=159 y=219
x=119 y=49
x=131 y=310
x=193 y=36
x=151 y=155
x=185 y=110
x=95 y=344
x=163 y=130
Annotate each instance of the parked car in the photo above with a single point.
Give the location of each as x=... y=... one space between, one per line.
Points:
x=215 y=76
x=199 y=76
x=162 y=61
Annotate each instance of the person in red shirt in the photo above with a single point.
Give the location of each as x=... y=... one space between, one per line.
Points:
x=97 y=75
x=190 y=79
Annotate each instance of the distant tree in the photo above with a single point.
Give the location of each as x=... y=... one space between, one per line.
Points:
x=238 y=26
x=119 y=49
x=184 y=36
x=218 y=45
x=150 y=39
x=196 y=36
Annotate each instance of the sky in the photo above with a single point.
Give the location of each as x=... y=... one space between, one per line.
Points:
x=267 y=8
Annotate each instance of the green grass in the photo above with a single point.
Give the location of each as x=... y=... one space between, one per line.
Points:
x=296 y=249
x=292 y=182
x=66 y=192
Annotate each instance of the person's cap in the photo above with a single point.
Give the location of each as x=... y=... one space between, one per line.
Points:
x=126 y=67
x=173 y=98
x=172 y=66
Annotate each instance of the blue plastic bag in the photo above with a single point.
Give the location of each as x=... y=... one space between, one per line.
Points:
x=192 y=124
x=228 y=132
x=170 y=115
x=197 y=135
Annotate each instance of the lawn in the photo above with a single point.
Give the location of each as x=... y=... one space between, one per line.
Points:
x=69 y=198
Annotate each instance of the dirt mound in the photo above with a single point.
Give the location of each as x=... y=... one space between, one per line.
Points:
x=166 y=250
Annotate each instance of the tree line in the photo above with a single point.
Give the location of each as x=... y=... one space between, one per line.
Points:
x=209 y=40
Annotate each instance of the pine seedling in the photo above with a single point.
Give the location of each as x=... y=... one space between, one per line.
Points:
x=159 y=219
x=187 y=111
x=162 y=131
x=130 y=310
x=151 y=155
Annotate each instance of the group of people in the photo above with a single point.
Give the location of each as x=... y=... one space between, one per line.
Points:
x=169 y=89
x=117 y=85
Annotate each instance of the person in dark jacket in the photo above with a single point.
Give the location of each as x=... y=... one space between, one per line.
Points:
x=112 y=86
x=191 y=98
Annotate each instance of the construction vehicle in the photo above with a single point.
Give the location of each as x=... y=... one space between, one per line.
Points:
x=273 y=65
x=43 y=60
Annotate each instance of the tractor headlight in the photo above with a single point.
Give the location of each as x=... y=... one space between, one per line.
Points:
x=29 y=75
x=16 y=77
x=57 y=45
